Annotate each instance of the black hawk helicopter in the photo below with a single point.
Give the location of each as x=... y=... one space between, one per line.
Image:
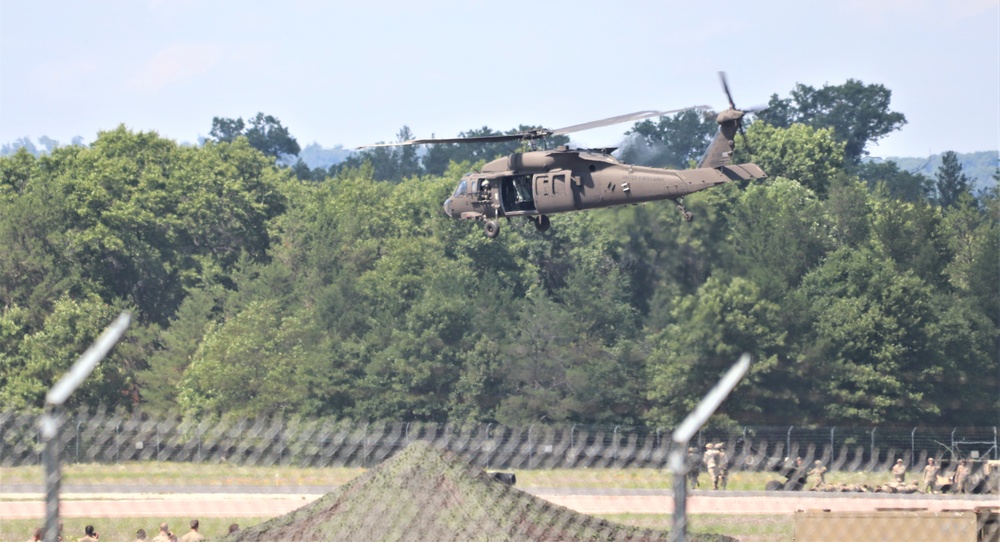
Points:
x=536 y=184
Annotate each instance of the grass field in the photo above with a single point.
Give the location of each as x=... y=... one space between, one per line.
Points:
x=121 y=530
x=153 y=473
x=760 y=528
x=745 y=528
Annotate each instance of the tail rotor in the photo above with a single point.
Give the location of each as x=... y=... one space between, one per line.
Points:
x=734 y=114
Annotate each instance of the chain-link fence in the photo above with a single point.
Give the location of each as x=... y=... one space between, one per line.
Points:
x=783 y=457
x=113 y=438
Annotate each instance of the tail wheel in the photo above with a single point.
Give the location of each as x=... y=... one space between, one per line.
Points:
x=492 y=228
x=542 y=223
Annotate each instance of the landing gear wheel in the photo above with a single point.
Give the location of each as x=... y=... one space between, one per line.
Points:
x=541 y=223
x=492 y=228
x=685 y=214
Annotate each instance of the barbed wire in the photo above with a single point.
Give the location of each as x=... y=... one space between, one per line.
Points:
x=103 y=437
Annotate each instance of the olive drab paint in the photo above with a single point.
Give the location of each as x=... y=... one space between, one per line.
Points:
x=537 y=184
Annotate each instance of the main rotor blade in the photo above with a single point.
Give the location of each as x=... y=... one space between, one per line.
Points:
x=725 y=87
x=432 y=141
x=540 y=132
x=630 y=117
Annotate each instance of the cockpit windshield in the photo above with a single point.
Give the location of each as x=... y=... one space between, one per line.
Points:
x=462 y=189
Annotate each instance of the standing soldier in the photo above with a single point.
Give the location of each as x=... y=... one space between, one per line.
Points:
x=694 y=466
x=961 y=473
x=899 y=471
x=723 y=462
x=712 y=462
x=819 y=471
x=930 y=475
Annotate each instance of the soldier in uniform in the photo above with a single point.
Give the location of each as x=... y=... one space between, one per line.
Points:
x=193 y=535
x=899 y=471
x=819 y=471
x=164 y=534
x=711 y=461
x=961 y=473
x=930 y=475
x=694 y=466
x=90 y=535
x=723 y=466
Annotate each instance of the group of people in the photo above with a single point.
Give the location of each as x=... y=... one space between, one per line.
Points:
x=165 y=535
x=932 y=481
x=717 y=464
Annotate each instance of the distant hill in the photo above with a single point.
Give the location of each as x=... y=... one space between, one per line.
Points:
x=978 y=166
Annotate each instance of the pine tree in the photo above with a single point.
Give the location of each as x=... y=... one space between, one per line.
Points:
x=950 y=180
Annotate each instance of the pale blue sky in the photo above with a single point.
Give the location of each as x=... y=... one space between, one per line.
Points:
x=354 y=72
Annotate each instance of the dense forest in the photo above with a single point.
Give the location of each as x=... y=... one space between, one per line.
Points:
x=866 y=294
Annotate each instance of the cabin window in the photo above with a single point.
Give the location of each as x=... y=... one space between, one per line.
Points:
x=463 y=188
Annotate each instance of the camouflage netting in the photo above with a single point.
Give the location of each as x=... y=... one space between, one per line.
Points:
x=422 y=493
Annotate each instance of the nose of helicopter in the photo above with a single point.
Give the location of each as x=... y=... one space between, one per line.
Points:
x=447 y=207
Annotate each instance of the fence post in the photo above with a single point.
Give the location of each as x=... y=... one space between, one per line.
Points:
x=953 y=441
x=78 y=422
x=788 y=442
x=913 y=447
x=833 y=449
x=51 y=421
x=489 y=437
x=614 y=435
x=364 y=461
x=871 y=450
x=682 y=435
x=531 y=447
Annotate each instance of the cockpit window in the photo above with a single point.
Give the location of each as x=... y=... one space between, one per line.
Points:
x=463 y=187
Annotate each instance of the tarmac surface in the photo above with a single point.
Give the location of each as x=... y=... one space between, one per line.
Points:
x=27 y=501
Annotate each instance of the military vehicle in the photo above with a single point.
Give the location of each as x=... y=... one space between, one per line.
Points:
x=540 y=183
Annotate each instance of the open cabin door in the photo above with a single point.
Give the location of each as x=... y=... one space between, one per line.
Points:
x=554 y=191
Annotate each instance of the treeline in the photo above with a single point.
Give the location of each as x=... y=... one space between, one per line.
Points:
x=866 y=295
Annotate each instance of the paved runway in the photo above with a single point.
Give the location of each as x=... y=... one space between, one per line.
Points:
x=251 y=502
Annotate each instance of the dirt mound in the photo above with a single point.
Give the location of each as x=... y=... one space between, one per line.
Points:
x=422 y=494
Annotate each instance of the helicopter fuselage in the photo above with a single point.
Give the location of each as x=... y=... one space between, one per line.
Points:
x=540 y=183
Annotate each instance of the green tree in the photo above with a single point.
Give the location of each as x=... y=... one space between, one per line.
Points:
x=905 y=233
x=808 y=155
x=849 y=211
x=252 y=364
x=950 y=181
x=857 y=113
x=710 y=329
x=264 y=133
x=780 y=233
x=44 y=356
x=897 y=184
x=178 y=343
x=226 y=130
x=672 y=141
x=15 y=174
x=867 y=354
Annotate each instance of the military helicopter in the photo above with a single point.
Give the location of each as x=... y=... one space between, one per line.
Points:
x=540 y=183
